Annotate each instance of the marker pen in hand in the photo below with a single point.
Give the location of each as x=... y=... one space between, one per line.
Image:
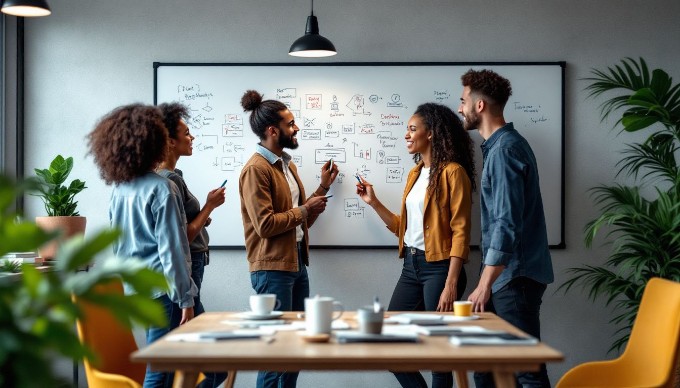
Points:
x=223 y=183
x=330 y=167
x=359 y=179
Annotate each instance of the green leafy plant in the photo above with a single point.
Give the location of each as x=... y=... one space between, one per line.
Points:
x=59 y=199
x=10 y=266
x=37 y=313
x=642 y=220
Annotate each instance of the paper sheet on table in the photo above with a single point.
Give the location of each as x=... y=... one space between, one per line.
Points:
x=491 y=339
x=352 y=336
x=269 y=329
x=449 y=329
x=201 y=336
x=427 y=319
x=338 y=324
x=254 y=323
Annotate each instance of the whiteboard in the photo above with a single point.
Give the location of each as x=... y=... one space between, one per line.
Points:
x=356 y=114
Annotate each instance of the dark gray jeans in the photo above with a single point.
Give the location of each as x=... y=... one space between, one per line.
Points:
x=519 y=302
x=419 y=287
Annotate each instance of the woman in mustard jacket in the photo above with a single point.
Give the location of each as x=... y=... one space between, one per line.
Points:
x=433 y=226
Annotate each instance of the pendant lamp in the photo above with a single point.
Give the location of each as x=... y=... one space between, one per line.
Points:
x=311 y=44
x=26 y=8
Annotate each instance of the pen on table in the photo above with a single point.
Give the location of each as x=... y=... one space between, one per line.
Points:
x=376 y=305
x=223 y=183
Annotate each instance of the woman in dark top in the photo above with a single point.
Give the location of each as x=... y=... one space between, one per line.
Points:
x=180 y=144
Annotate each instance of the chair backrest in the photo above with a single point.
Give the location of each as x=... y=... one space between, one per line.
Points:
x=654 y=341
x=109 y=339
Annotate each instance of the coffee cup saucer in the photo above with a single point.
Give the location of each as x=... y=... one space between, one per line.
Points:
x=315 y=337
x=458 y=318
x=256 y=316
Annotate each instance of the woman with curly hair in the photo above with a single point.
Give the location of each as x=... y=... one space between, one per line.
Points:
x=434 y=224
x=180 y=144
x=128 y=144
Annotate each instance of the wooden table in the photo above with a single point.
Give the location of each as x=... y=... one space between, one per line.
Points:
x=288 y=352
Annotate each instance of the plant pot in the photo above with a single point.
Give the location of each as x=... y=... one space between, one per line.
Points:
x=69 y=226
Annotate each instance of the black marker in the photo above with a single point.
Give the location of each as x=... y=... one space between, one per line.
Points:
x=328 y=196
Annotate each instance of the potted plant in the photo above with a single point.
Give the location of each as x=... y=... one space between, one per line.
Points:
x=37 y=312
x=59 y=201
x=643 y=218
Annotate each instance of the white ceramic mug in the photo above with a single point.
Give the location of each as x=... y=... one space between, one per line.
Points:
x=263 y=304
x=319 y=314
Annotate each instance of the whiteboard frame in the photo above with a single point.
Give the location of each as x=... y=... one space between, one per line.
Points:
x=561 y=64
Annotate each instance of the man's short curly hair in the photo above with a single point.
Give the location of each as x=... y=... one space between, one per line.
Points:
x=493 y=88
x=128 y=142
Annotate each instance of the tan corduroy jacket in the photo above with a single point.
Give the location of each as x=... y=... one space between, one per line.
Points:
x=446 y=223
x=269 y=220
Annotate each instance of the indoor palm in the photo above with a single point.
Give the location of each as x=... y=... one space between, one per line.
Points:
x=642 y=219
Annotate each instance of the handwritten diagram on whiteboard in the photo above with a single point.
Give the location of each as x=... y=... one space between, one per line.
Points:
x=355 y=114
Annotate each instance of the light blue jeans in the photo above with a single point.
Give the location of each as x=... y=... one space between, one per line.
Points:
x=156 y=379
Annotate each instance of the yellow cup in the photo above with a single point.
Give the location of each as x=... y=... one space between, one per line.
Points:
x=462 y=308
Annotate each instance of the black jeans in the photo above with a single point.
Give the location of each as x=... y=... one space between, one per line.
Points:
x=519 y=302
x=419 y=287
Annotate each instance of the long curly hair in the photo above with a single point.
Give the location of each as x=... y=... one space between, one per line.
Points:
x=173 y=112
x=450 y=143
x=128 y=142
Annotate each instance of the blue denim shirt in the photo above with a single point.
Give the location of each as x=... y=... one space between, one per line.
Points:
x=149 y=212
x=513 y=223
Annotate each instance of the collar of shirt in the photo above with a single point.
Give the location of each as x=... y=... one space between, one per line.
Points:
x=272 y=157
x=489 y=143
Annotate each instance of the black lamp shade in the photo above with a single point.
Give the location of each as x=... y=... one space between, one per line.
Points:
x=312 y=44
x=26 y=8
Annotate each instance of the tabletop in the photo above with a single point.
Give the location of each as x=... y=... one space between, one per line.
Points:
x=286 y=350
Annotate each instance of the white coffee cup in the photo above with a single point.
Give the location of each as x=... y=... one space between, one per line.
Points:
x=263 y=304
x=319 y=314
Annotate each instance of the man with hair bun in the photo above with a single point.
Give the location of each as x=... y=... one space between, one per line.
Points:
x=516 y=263
x=277 y=214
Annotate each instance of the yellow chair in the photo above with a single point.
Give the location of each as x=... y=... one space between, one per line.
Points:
x=652 y=353
x=112 y=342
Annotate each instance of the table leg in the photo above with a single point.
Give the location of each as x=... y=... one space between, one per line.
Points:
x=231 y=379
x=185 y=379
x=461 y=378
x=504 y=379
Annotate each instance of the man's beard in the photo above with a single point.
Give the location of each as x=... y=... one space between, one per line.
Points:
x=287 y=141
x=470 y=121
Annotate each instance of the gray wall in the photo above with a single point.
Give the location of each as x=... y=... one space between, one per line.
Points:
x=91 y=56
